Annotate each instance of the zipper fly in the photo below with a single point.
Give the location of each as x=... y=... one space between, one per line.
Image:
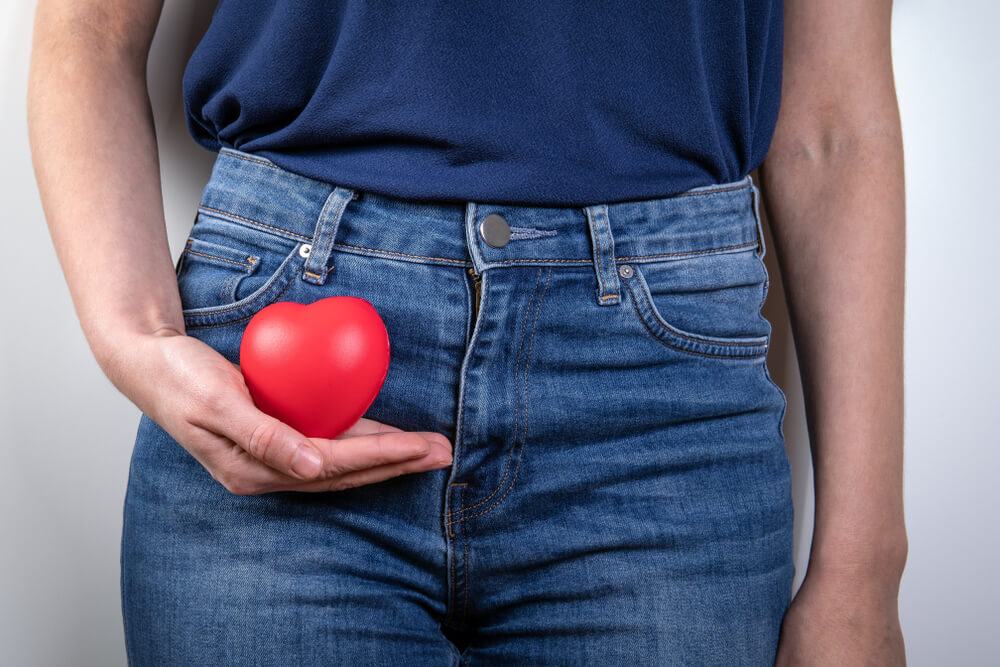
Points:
x=477 y=282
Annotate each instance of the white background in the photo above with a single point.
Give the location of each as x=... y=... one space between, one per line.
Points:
x=66 y=433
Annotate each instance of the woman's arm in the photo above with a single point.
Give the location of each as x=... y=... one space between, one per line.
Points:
x=95 y=157
x=833 y=189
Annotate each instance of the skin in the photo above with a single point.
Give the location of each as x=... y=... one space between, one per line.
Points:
x=833 y=189
x=95 y=157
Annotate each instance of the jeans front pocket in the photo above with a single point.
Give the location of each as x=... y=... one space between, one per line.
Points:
x=229 y=271
x=210 y=273
x=704 y=304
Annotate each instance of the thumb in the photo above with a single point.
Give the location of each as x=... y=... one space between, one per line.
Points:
x=277 y=444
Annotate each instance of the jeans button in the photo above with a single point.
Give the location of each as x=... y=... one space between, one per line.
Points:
x=495 y=230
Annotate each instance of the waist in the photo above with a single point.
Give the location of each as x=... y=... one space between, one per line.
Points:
x=254 y=191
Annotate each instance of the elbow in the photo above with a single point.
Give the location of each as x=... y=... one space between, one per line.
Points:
x=816 y=135
x=833 y=143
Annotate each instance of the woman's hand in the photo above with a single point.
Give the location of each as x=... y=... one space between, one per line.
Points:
x=96 y=160
x=843 y=620
x=199 y=398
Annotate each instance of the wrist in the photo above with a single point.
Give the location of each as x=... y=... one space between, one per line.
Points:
x=114 y=347
x=874 y=561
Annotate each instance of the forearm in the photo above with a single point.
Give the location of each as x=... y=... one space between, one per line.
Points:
x=95 y=159
x=836 y=210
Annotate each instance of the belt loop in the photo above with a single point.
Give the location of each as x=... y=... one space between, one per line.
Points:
x=315 y=270
x=761 y=245
x=603 y=245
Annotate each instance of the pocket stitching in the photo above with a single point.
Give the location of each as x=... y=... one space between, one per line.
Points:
x=248 y=264
x=226 y=216
x=739 y=348
x=286 y=271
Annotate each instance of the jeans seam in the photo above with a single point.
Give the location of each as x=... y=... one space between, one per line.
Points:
x=227 y=323
x=597 y=246
x=688 y=252
x=463 y=262
x=251 y=259
x=524 y=439
x=680 y=349
x=465 y=542
x=742 y=184
x=404 y=254
x=248 y=159
x=126 y=618
x=517 y=366
x=256 y=222
x=461 y=403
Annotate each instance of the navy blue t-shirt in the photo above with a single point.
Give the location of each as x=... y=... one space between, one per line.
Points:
x=533 y=102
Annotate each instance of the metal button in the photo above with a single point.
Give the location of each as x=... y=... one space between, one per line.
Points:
x=495 y=230
x=625 y=271
x=304 y=250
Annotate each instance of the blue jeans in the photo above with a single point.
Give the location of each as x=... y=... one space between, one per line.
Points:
x=620 y=492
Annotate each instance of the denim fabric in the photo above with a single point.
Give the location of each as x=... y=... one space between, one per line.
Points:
x=620 y=491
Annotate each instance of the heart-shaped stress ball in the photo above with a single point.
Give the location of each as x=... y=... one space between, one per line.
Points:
x=317 y=367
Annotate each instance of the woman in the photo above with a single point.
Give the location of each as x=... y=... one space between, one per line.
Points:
x=577 y=454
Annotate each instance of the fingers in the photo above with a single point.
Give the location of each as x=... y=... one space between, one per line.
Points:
x=238 y=471
x=210 y=412
x=346 y=455
x=243 y=474
x=269 y=440
x=438 y=457
x=359 y=460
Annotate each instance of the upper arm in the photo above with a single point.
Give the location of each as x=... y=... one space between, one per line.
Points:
x=117 y=28
x=837 y=82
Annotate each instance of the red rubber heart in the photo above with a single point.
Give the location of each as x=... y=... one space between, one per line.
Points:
x=317 y=367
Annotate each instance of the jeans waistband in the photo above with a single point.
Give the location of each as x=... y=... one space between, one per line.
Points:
x=255 y=191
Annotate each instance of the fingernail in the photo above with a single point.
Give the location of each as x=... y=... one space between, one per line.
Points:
x=306 y=463
x=418 y=450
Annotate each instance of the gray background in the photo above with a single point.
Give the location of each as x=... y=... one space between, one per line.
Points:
x=66 y=433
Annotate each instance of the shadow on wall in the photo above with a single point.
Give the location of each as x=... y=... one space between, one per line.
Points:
x=185 y=166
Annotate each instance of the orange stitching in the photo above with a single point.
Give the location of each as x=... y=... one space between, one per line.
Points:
x=686 y=252
x=311 y=274
x=221 y=259
x=517 y=367
x=597 y=242
x=224 y=324
x=248 y=159
x=451 y=533
x=472 y=341
x=696 y=339
x=627 y=259
x=609 y=296
x=524 y=440
x=465 y=541
x=544 y=259
x=403 y=254
x=680 y=349
x=342 y=245
x=256 y=222
x=708 y=192
x=467 y=263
